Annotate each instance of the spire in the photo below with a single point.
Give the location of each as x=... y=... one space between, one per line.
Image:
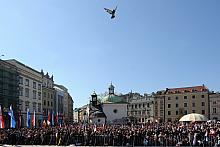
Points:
x=111 y=89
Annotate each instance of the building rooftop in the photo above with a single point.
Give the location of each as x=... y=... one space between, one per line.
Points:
x=187 y=89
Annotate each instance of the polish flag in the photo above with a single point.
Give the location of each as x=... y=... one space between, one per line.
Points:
x=2 y=124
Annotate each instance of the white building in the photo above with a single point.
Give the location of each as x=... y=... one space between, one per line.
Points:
x=140 y=107
x=112 y=108
x=30 y=91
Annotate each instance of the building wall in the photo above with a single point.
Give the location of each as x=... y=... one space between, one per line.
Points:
x=30 y=91
x=180 y=102
x=114 y=111
x=214 y=106
x=141 y=107
x=9 y=90
x=70 y=108
x=159 y=110
x=48 y=94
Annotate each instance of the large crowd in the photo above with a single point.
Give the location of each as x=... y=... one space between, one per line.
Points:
x=150 y=134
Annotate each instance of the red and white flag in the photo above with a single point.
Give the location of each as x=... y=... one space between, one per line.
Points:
x=34 y=120
x=2 y=124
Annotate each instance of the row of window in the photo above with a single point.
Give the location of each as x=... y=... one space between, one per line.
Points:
x=48 y=95
x=27 y=83
x=140 y=112
x=48 y=103
x=26 y=91
x=27 y=105
x=185 y=97
x=139 y=106
x=185 y=112
x=185 y=105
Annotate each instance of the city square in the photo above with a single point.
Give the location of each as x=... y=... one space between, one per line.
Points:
x=109 y=73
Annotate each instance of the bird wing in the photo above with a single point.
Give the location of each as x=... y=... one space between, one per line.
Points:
x=108 y=10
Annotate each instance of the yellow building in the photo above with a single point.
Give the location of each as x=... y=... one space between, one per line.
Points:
x=186 y=100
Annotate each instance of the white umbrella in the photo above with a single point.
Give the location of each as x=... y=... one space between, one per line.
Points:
x=193 y=117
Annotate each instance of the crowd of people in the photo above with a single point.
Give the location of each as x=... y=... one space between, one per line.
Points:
x=150 y=134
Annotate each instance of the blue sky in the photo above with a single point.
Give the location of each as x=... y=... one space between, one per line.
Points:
x=150 y=45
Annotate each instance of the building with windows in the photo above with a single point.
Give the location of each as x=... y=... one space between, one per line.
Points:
x=30 y=91
x=186 y=100
x=48 y=93
x=159 y=106
x=70 y=109
x=214 y=100
x=140 y=107
x=9 y=89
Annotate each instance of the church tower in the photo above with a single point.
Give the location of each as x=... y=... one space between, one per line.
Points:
x=94 y=100
x=111 y=89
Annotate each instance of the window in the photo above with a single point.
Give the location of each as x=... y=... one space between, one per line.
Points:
x=203 y=111
x=185 y=112
x=169 y=105
x=20 y=105
x=177 y=98
x=202 y=96
x=132 y=106
x=135 y=106
x=193 y=96
x=48 y=103
x=26 y=82
x=48 y=95
x=44 y=102
x=34 y=85
x=139 y=105
x=51 y=96
x=44 y=94
x=185 y=97
x=26 y=105
x=26 y=92
x=148 y=105
x=143 y=105
x=169 y=98
x=39 y=95
x=193 y=111
x=177 y=112
x=169 y=112
x=161 y=112
x=51 y=104
x=214 y=102
x=39 y=107
x=177 y=105
x=21 y=91
x=203 y=103
x=20 y=80
x=185 y=104
x=34 y=106
x=214 y=110
x=193 y=104
x=34 y=94
x=39 y=86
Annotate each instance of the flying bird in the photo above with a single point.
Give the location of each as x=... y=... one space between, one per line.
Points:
x=112 y=12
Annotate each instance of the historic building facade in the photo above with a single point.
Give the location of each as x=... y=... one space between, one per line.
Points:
x=140 y=107
x=186 y=100
x=48 y=94
x=9 y=89
x=30 y=91
x=70 y=108
x=214 y=100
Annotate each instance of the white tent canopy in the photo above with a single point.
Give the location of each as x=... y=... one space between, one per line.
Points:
x=193 y=117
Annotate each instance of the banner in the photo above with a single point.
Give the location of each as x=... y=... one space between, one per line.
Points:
x=28 y=118
x=2 y=124
x=11 y=114
x=34 y=120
